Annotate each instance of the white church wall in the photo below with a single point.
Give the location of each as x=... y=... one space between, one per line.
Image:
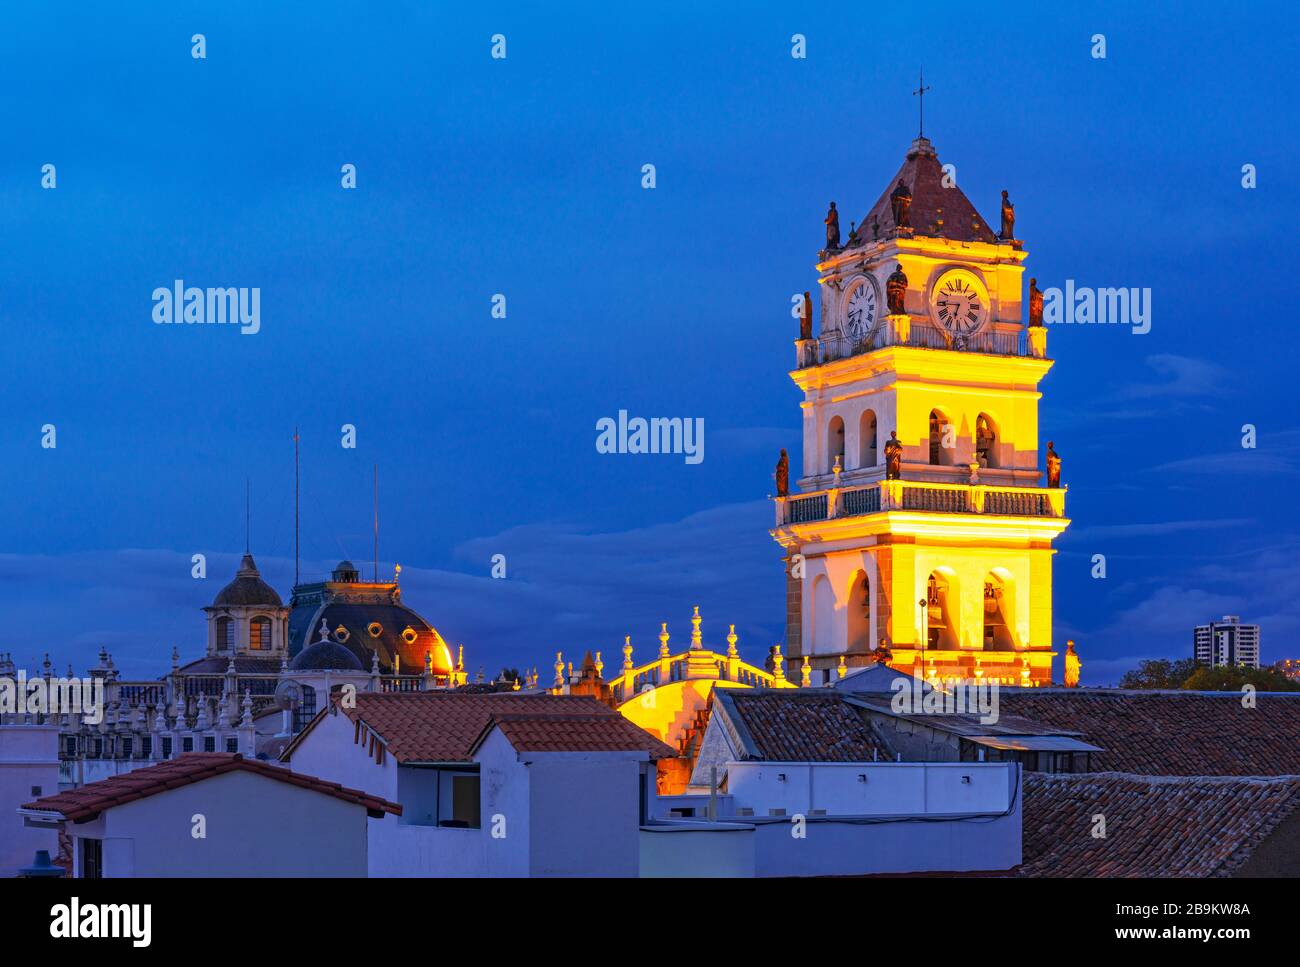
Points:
x=827 y=586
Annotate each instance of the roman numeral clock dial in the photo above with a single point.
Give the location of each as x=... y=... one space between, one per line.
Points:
x=959 y=303
x=860 y=313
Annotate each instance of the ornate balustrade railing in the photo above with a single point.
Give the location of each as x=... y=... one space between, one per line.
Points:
x=835 y=345
x=887 y=495
x=651 y=675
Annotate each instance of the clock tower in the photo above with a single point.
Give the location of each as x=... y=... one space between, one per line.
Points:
x=920 y=530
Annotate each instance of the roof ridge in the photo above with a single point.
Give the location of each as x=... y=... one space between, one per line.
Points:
x=86 y=802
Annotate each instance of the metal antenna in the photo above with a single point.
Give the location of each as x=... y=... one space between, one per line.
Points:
x=920 y=94
x=295 y=506
x=248 y=513
x=376 y=523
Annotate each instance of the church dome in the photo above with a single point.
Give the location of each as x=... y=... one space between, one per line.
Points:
x=369 y=622
x=326 y=655
x=247 y=589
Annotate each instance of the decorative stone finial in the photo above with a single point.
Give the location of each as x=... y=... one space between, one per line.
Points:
x=246 y=720
x=559 y=669
x=842 y=669
x=778 y=663
x=805 y=672
x=731 y=642
x=600 y=665
x=324 y=631
x=627 y=653
x=663 y=640
x=697 y=639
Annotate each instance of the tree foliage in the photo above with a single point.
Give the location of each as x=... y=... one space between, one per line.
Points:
x=1187 y=674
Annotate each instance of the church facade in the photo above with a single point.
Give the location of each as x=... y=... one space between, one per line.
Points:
x=920 y=530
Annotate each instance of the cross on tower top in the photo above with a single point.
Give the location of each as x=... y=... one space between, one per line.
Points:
x=920 y=94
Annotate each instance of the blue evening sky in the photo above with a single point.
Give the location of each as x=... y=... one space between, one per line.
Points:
x=479 y=176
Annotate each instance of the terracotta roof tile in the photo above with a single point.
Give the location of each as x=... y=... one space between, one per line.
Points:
x=1156 y=826
x=88 y=801
x=577 y=733
x=805 y=726
x=444 y=726
x=931 y=200
x=1172 y=733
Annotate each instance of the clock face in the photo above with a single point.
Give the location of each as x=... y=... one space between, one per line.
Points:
x=959 y=302
x=860 y=309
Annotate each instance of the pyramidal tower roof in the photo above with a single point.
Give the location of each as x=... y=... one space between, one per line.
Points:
x=931 y=202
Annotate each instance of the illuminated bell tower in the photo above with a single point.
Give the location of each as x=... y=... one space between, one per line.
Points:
x=921 y=519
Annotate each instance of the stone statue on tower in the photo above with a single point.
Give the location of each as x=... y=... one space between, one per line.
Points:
x=783 y=475
x=805 y=318
x=882 y=654
x=900 y=200
x=1008 y=217
x=893 y=457
x=896 y=291
x=832 y=228
x=1053 y=466
x=1035 y=303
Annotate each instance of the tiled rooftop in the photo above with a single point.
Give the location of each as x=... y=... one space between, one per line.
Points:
x=1172 y=733
x=803 y=726
x=444 y=726
x=88 y=801
x=577 y=733
x=1160 y=826
x=932 y=200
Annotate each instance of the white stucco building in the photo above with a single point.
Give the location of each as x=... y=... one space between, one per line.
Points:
x=491 y=784
x=213 y=815
x=29 y=767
